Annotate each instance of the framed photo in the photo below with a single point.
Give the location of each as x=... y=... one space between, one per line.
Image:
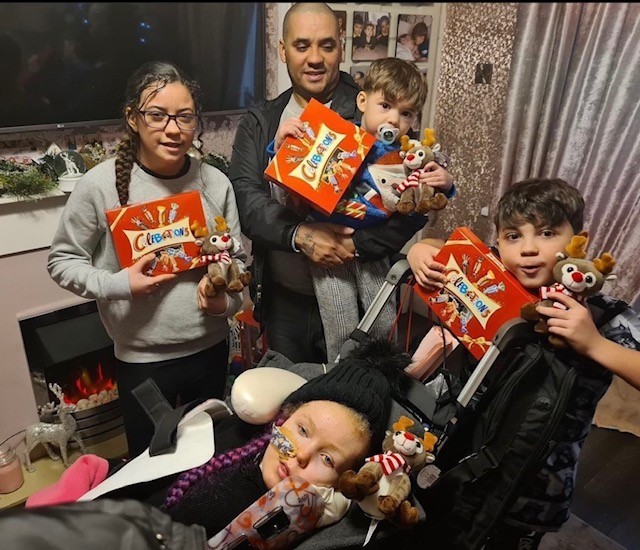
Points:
x=342 y=26
x=370 y=35
x=358 y=72
x=414 y=32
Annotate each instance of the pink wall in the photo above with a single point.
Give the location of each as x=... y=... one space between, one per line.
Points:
x=26 y=290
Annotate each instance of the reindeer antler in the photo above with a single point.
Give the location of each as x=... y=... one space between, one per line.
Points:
x=57 y=391
x=604 y=264
x=221 y=223
x=402 y=424
x=405 y=143
x=429 y=441
x=577 y=248
x=199 y=231
x=429 y=137
x=49 y=409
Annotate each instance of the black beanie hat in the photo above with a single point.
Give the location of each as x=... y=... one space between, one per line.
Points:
x=360 y=382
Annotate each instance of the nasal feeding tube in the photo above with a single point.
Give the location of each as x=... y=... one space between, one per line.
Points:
x=284 y=442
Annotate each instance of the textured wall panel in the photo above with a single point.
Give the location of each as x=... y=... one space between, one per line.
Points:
x=469 y=116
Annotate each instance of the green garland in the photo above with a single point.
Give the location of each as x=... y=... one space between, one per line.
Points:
x=37 y=179
x=25 y=181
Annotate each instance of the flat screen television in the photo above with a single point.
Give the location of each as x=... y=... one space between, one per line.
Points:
x=65 y=64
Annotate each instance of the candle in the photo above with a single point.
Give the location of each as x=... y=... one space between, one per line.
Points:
x=11 y=477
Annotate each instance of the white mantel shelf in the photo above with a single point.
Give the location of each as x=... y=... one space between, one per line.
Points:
x=29 y=224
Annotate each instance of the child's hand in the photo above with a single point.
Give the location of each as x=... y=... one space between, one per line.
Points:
x=212 y=305
x=140 y=283
x=574 y=324
x=428 y=272
x=292 y=127
x=436 y=176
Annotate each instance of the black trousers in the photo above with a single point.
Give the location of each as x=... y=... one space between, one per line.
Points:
x=181 y=380
x=294 y=327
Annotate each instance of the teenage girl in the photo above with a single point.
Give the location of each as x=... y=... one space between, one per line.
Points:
x=163 y=327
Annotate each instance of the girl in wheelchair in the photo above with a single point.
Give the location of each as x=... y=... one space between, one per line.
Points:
x=326 y=426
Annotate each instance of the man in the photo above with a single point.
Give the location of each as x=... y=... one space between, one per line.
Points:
x=358 y=27
x=282 y=242
x=382 y=37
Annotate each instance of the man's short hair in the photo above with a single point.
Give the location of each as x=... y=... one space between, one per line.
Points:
x=540 y=202
x=397 y=79
x=308 y=7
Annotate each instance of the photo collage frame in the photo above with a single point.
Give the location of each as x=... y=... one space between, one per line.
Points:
x=374 y=31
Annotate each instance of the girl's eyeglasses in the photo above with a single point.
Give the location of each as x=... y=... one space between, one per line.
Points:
x=160 y=120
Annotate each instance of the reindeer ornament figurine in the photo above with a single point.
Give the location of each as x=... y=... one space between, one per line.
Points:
x=58 y=434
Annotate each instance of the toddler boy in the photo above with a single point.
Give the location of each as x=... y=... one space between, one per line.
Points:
x=393 y=94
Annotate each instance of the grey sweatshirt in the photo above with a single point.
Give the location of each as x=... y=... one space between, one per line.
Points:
x=166 y=324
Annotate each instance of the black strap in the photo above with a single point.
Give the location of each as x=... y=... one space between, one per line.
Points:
x=491 y=454
x=356 y=339
x=360 y=336
x=150 y=397
x=415 y=397
x=164 y=417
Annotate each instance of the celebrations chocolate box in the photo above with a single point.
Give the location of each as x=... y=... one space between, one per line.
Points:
x=161 y=226
x=480 y=295
x=319 y=166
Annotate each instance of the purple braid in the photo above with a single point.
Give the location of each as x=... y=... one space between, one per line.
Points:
x=218 y=463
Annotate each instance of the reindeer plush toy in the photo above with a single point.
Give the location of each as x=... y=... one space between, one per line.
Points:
x=574 y=276
x=220 y=251
x=415 y=156
x=382 y=486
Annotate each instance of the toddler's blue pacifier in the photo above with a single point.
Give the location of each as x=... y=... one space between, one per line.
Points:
x=387 y=134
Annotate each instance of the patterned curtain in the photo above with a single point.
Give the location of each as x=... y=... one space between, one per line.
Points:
x=573 y=111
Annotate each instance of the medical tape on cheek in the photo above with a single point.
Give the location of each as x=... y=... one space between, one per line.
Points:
x=283 y=441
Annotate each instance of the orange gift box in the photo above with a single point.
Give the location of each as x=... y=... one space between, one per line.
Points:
x=162 y=226
x=319 y=167
x=480 y=295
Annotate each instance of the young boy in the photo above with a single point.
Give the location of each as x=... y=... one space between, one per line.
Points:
x=536 y=218
x=393 y=93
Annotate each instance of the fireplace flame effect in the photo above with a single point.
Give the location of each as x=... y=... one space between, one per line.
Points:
x=90 y=389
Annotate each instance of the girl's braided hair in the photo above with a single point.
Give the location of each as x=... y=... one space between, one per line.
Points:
x=231 y=459
x=153 y=73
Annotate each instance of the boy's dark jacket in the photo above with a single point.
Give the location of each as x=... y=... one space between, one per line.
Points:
x=269 y=224
x=512 y=460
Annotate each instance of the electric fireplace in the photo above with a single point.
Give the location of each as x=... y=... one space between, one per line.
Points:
x=71 y=348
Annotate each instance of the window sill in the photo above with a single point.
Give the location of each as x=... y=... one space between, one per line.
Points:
x=11 y=199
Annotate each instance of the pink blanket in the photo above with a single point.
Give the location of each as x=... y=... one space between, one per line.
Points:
x=84 y=474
